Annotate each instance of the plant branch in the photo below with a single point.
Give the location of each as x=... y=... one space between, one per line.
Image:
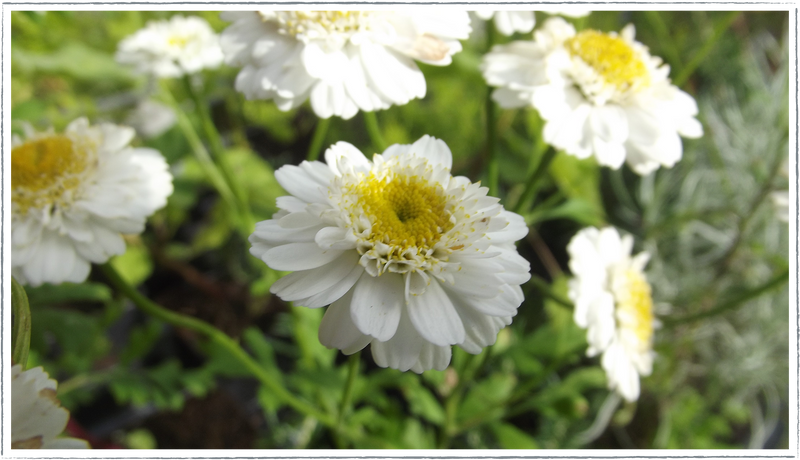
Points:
x=21 y=327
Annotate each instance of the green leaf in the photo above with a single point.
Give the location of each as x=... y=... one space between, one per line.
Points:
x=424 y=404
x=141 y=340
x=579 y=179
x=487 y=397
x=135 y=265
x=511 y=437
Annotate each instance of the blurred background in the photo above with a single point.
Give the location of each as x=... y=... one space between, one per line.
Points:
x=719 y=267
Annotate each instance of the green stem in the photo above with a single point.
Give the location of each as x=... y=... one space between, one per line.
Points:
x=773 y=283
x=347 y=395
x=82 y=380
x=220 y=338
x=493 y=169
x=319 y=137
x=374 y=131
x=708 y=45
x=21 y=327
x=201 y=154
x=218 y=153
x=544 y=288
x=532 y=182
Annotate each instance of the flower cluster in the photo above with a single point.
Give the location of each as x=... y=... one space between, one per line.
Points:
x=601 y=94
x=343 y=61
x=37 y=418
x=170 y=49
x=74 y=194
x=613 y=302
x=410 y=259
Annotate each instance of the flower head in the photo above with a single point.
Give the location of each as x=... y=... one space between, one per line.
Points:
x=613 y=302
x=411 y=259
x=74 y=194
x=600 y=93
x=169 y=49
x=37 y=417
x=343 y=61
x=508 y=22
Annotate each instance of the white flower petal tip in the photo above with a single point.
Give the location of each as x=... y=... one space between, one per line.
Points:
x=37 y=418
x=600 y=94
x=613 y=301
x=73 y=196
x=411 y=260
x=342 y=61
x=173 y=48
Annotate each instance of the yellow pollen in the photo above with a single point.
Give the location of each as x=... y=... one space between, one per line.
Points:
x=178 y=41
x=300 y=22
x=637 y=302
x=404 y=211
x=611 y=57
x=43 y=169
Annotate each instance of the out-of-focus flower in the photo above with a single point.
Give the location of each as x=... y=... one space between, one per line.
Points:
x=173 y=48
x=780 y=198
x=37 y=417
x=343 y=61
x=410 y=259
x=74 y=194
x=508 y=22
x=613 y=302
x=151 y=119
x=600 y=93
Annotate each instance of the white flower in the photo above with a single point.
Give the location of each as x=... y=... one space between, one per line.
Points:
x=169 y=49
x=72 y=196
x=36 y=414
x=151 y=119
x=411 y=259
x=780 y=200
x=600 y=93
x=343 y=61
x=613 y=301
x=508 y=22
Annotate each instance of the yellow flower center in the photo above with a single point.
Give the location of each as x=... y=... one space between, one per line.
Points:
x=178 y=41
x=317 y=23
x=405 y=212
x=42 y=170
x=612 y=58
x=636 y=301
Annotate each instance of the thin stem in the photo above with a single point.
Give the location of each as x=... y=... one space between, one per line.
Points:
x=532 y=182
x=21 y=327
x=320 y=131
x=493 y=169
x=709 y=44
x=544 y=288
x=773 y=283
x=347 y=395
x=220 y=338
x=218 y=153
x=374 y=131
x=82 y=380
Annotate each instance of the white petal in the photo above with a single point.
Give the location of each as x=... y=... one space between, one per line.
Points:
x=306 y=283
x=401 y=351
x=337 y=329
x=298 y=256
x=377 y=304
x=434 y=316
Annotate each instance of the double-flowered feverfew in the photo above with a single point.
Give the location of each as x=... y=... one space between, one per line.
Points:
x=600 y=93
x=74 y=194
x=37 y=418
x=411 y=259
x=509 y=22
x=343 y=61
x=170 y=49
x=613 y=302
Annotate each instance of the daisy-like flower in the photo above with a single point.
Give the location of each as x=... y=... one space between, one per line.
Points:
x=173 y=48
x=343 y=61
x=600 y=93
x=410 y=259
x=37 y=417
x=74 y=194
x=613 y=302
x=508 y=22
